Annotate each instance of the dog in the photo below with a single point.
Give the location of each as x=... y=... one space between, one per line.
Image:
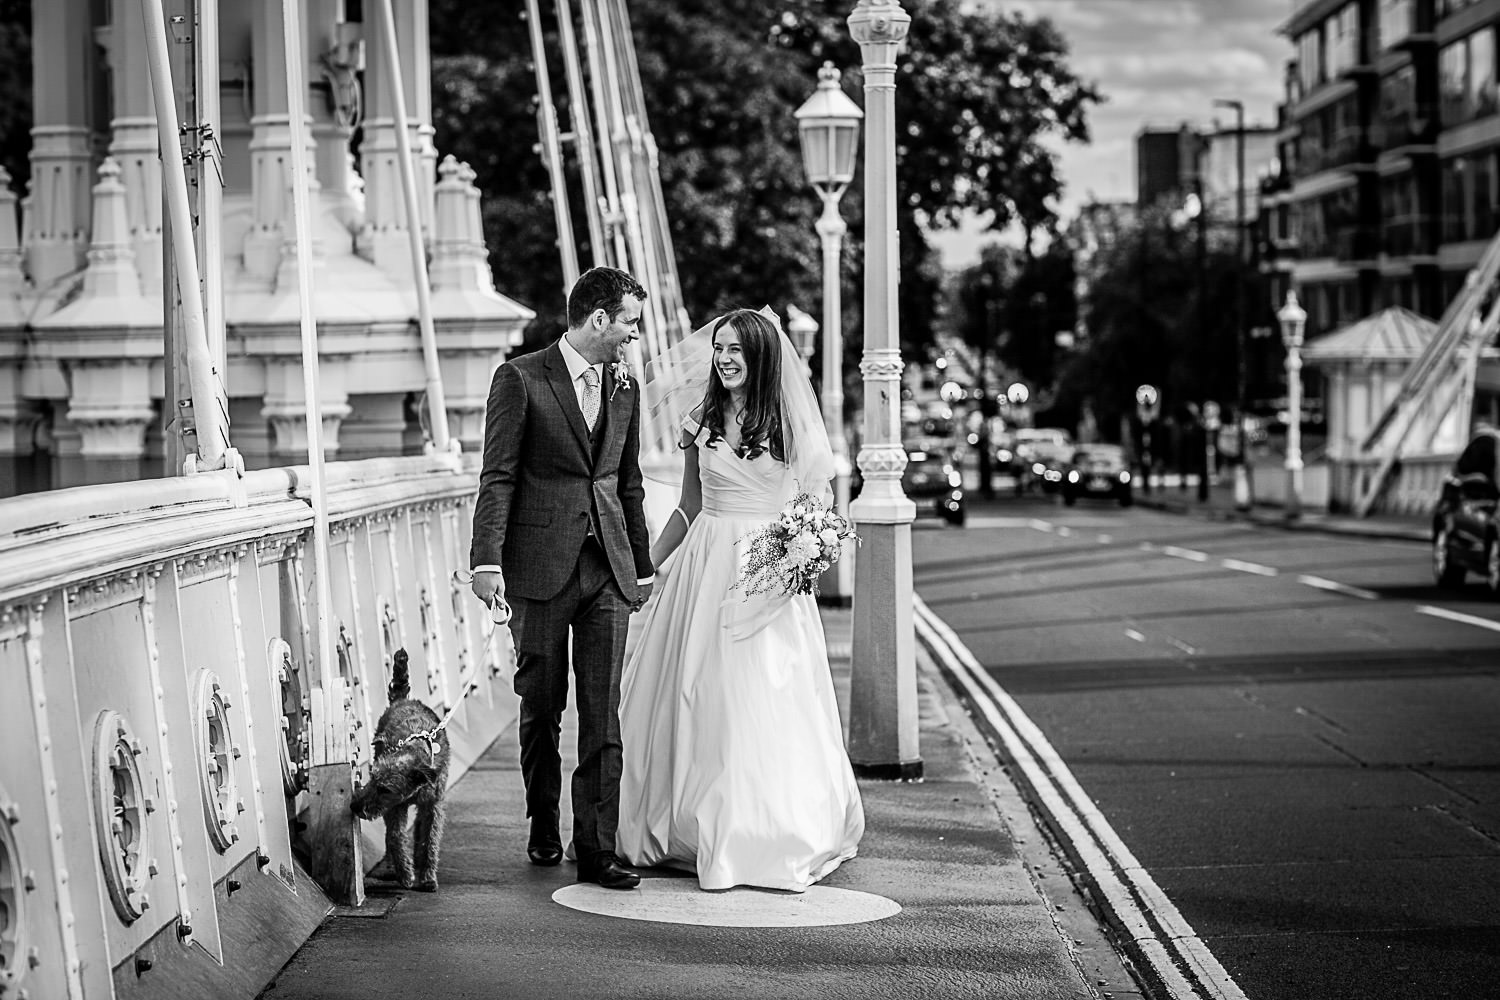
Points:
x=407 y=772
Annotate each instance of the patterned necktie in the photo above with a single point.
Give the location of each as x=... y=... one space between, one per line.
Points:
x=590 y=397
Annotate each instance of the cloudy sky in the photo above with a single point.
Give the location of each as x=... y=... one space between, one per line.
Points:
x=1157 y=62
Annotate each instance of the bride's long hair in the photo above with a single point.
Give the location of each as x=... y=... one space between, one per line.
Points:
x=761 y=429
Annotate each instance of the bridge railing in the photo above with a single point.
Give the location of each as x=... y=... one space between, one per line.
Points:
x=162 y=704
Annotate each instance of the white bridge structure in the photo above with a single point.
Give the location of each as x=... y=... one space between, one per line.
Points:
x=82 y=387
x=204 y=299
x=197 y=615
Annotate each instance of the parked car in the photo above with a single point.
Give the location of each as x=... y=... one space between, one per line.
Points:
x=1465 y=536
x=935 y=485
x=1098 y=470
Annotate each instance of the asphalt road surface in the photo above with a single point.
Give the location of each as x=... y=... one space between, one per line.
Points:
x=1296 y=733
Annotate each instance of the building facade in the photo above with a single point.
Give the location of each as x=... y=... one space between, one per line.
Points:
x=1164 y=163
x=1217 y=170
x=1386 y=192
x=82 y=370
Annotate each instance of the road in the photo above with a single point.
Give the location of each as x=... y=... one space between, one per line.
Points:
x=1295 y=733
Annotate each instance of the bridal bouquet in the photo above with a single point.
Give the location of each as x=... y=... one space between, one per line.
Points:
x=788 y=555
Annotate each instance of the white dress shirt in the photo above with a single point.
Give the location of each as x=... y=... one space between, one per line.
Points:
x=577 y=364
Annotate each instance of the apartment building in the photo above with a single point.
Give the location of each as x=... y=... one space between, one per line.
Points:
x=1164 y=163
x=1385 y=190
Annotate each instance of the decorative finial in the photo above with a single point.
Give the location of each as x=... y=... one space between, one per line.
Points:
x=829 y=75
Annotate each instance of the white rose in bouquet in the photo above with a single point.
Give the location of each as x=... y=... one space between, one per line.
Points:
x=829 y=538
x=802 y=549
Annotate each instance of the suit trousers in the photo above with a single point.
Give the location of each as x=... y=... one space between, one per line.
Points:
x=591 y=606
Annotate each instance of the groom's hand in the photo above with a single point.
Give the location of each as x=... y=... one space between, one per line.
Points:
x=642 y=594
x=488 y=586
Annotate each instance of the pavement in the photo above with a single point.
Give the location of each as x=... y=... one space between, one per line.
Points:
x=987 y=906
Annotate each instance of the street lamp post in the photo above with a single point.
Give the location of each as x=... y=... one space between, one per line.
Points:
x=1293 y=319
x=1243 y=497
x=1147 y=408
x=883 y=695
x=828 y=123
x=802 y=331
x=1194 y=210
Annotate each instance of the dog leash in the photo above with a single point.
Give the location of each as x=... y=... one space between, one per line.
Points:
x=497 y=607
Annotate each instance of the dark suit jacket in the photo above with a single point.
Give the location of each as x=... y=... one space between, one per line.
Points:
x=542 y=478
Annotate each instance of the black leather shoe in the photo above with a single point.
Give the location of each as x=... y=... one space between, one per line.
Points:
x=543 y=846
x=605 y=870
x=546 y=855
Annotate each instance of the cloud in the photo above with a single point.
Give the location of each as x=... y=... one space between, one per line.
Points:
x=1161 y=62
x=1158 y=62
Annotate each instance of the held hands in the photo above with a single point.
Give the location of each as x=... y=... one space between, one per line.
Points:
x=642 y=595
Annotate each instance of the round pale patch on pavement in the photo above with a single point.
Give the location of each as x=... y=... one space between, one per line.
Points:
x=680 y=901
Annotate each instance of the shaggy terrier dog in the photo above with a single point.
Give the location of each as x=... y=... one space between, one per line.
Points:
x=408 y=770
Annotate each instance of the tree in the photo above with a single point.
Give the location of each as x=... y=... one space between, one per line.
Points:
x=1009 y=307
x=993 y=90
x=1040 y=304
x=1152 y=316
x=15 y=91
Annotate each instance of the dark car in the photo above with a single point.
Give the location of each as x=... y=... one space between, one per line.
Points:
x=935 y=485
x=1098 y=470
x=1464 y=532
x=1033 y=453
x=1044 y=464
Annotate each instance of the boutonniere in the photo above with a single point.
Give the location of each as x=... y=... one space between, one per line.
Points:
x=621 y=371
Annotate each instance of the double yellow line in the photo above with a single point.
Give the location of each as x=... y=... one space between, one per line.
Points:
x=1159 y=940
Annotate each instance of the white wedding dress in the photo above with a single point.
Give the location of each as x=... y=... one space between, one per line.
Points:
x=734 y=754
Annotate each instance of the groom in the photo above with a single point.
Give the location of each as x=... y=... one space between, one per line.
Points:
x=560 y=533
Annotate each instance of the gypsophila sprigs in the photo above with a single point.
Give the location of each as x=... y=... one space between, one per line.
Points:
x=788 y=555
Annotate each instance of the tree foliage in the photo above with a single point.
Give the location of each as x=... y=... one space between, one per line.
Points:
x=980 y=94
x=1012 y=304
x=1159 y=310
x=15 y=91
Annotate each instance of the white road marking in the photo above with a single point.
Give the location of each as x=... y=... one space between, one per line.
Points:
x=998 y=522
x=1459 y=616
x=1181 y=961
x=1131 y=633
x=1064 y=531
x=1181 y=553
x=1041 y=525
x=1106 y=539
x=1338 y=588
x=1146 y=547
x=1189 y=650
x=1249 y=567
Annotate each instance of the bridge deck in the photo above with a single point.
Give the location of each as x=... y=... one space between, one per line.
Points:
x=972 y=920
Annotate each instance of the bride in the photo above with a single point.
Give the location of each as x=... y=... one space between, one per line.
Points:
x=734 y=754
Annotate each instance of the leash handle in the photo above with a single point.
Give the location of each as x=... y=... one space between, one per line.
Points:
x=498 y=607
